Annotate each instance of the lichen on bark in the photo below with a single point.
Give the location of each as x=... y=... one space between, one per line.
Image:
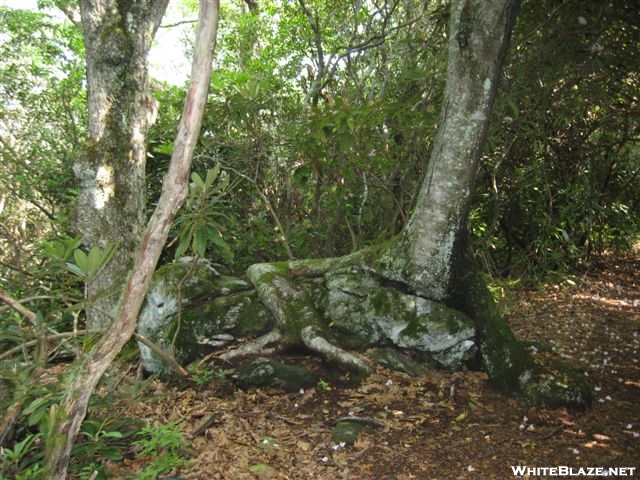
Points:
x=110 y=208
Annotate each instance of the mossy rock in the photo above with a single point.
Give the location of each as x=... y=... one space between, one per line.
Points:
x=558 y=385
x=396 y=360
x=269 y=373
x=346 y=432
x=364 y=312
x=204 y=305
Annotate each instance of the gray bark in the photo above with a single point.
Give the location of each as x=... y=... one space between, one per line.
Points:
x=68 y=418
x=111 y=174
x=478 y=39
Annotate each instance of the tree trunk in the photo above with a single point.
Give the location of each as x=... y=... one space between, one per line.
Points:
x=67 y=418
x=111 y=205
x=478 y=39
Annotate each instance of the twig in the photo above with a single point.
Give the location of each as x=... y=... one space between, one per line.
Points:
x=183 y=280
x=272 y=212
x=204 y=424
x=18 y=307
x=152 y=346
x=162 y=354
x=31 y=299
x=177 y=24
x=551 y=433
x=56 y=336
x=40 y=327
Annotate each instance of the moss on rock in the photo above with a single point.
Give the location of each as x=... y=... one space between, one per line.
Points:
x=270 y=373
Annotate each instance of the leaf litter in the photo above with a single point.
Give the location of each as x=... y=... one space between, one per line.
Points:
x=436 y=426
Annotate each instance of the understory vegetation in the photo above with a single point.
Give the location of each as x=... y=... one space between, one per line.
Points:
x=319 y=120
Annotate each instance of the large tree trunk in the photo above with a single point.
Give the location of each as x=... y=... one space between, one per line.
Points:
x=479 y=34
x=432 y=256
x=111 y=205
x=68 y=417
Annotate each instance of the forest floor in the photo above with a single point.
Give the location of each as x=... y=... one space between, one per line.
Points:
x=436 y=426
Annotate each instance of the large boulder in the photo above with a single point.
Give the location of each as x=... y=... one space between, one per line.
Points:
x=192 y=309
x=364 y=312
x=199 y=308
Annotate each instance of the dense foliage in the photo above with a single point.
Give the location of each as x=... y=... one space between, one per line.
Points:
x=324 y=114
x=42 y=118
x=561 y=177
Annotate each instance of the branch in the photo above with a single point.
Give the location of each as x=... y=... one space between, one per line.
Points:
x=57 y=336
x=162 y=354
x=316 y=89
x=71 y=11
x=67 y=422
x=177 y=24
x=271 y=210
x=17 y=269
x=18 y=307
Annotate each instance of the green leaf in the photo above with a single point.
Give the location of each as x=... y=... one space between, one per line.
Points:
x=95 y=259
x=302 y=174
x=197 y=180
x=183 y=244
x=200 y=242
x=112 y=454
x=165 y=148
x=462 y=416
x=73 y=268
x=349 y=175
x=223 y=246
x=212 y=174
x=82 y=261
x=258 y=467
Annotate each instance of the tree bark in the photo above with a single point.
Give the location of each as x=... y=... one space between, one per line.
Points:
x=68 y=417
x=479 y=34
x=111 y=204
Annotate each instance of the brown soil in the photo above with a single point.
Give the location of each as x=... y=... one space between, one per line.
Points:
x=439 y=425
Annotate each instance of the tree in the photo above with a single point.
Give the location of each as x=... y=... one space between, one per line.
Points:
x=67 y=418
x=111 y=203
x=430 y=260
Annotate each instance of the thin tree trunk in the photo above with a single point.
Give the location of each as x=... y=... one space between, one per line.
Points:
x=68 y=419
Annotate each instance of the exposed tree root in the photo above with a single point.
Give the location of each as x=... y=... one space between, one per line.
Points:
x=298 y=323
x=331 y=353
x=334 y=306
x=509 y=366
x=258 y=346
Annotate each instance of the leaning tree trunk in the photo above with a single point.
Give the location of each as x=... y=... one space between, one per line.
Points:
x=111 y=172
x=67 y=418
